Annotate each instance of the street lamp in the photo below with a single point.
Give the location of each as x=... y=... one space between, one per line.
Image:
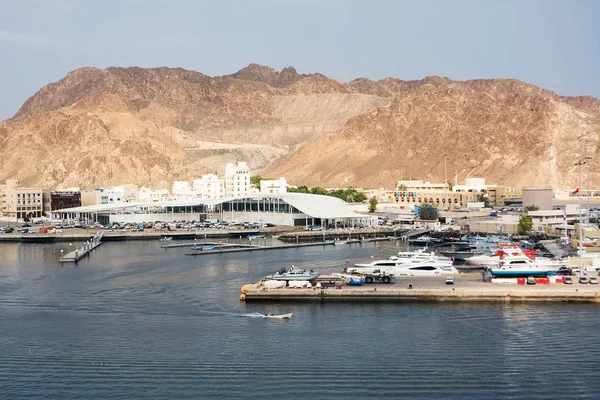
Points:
x=588 y=159
x=580 y=164
x=445 y=175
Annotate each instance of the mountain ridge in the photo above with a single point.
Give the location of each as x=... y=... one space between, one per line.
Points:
x=154 y=125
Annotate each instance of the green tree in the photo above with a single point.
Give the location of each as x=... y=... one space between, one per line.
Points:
x=450 y=185
x=319 y=190
x=428 y=212
x=255 y=180
x=372 y=204
x=483 y=199
x=298 y=189
x=531 y=207
x=525 y=224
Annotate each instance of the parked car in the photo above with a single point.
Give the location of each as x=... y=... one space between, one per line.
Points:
x=449 y=280
x=594 y=280
x=568 y=280
x=530 y=280
x=564 y=271
x=583 y=280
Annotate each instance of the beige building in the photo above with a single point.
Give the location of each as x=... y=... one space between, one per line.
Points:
x=418 y=192
x=16 y=202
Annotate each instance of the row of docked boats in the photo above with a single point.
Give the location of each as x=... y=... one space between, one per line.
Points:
x=505 y=260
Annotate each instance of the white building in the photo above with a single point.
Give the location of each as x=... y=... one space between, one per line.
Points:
x=273 y=186
x=114 y=195
x=182 y=191
x=237 y=179
x=151 y=195
x=209 y=187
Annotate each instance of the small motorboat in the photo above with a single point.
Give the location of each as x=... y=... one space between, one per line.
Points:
x=279 y=316
x=166 y=238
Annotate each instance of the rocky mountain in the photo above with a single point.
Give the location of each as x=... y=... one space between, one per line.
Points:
x=100 y=127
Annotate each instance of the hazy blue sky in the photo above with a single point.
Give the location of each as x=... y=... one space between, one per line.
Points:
x=553 y=44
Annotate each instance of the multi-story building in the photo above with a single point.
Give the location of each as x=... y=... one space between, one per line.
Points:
x=237 y=179
x=182 y=191
x=114 y=195
x=59 y=200
x=16 y=202
x=418 y=192
x=209 y=187
x=151 y=195
x=273 y=186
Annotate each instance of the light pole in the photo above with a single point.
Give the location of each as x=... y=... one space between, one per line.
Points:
x=580 y=164
x=588 y=162
x=445 y=175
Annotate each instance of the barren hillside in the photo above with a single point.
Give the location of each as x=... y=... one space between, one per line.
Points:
x=152 y=126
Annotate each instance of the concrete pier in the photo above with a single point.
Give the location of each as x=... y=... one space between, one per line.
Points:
x=431 y=289
x=79 y=253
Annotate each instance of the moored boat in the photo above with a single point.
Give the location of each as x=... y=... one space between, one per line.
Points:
x=522 y=266
x=295 y=274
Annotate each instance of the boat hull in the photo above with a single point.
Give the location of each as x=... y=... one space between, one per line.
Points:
x=522 y=273
x=281 y=316
x=295 y=278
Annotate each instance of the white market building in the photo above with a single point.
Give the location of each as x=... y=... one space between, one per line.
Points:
x=290 y=209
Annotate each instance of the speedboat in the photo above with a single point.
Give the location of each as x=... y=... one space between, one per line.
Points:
x=295 y=274
x=280 y=316
x=423 y=240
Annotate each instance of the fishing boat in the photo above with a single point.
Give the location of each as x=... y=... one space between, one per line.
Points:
x=295 y=274
x=280 y=316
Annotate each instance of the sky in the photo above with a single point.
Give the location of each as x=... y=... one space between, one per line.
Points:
x=549 y=43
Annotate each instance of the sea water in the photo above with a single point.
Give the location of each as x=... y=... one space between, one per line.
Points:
x=138 y=321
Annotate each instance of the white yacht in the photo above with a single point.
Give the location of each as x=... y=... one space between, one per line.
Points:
x=431 y=267
x=512 y=253
x=522 y=266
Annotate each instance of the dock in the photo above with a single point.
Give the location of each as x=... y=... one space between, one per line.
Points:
x=77 y=254
x=215 y=244
x=428 y=289
x=222 y=249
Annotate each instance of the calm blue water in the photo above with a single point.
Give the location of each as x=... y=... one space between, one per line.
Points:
x=137 y=321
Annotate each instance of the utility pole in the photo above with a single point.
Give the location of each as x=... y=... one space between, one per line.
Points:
x=589 y=206
x=580 y=164
x=445 y=175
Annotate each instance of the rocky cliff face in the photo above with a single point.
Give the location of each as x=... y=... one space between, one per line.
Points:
x=152 y=126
